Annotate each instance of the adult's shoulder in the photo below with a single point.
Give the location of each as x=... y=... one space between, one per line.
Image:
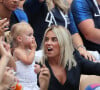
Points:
x=81 y=10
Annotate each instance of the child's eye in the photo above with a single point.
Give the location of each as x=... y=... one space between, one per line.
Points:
x=30 y=35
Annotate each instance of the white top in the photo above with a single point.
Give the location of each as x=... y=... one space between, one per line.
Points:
x=26 y=75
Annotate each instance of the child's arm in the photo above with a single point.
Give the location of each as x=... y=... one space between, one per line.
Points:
x=26 y=58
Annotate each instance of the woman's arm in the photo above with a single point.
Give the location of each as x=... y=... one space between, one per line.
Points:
x=87 y=67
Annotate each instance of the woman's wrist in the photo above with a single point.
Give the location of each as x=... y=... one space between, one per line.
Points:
x=81 y=46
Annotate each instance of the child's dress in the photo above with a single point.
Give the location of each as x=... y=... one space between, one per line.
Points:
x=26 y=75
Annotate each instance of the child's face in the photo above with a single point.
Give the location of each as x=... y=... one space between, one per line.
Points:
x=27 y=37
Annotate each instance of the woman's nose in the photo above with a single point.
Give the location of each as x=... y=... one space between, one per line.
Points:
x=49 y=42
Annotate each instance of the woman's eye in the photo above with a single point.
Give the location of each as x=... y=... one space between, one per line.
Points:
x=46 y=39
x=54 y=39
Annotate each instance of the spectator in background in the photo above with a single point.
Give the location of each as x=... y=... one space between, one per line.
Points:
x=86 y=14
x=7 y=7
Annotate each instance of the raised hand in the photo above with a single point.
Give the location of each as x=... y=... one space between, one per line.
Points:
x=33 y=45
x=3 y=25
x=44 y=78
x=5 y=49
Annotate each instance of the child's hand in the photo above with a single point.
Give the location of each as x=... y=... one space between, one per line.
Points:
x=33 y=45
x=37 y=68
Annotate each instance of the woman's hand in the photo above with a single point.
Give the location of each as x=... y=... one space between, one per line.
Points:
x=44 y=78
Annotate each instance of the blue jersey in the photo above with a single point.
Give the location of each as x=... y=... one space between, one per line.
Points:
x=72 y=26
x=87 y=9
x=21 y=15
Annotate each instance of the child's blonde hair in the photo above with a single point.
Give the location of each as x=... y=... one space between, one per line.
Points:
x=17 y=30
x=62 y=4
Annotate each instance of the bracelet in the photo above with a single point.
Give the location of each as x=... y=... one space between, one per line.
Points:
x=82 y=46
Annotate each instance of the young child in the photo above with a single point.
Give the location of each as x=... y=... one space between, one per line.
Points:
x=24 y=54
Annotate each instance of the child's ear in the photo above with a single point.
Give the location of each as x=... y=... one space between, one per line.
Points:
x=19 y=38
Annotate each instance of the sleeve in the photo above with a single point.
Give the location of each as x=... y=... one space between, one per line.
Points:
x=72 y=26
x=21 y=15
x=86 y=66
x=81 y=10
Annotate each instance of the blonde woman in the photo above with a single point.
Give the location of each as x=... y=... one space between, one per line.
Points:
x=65 y=64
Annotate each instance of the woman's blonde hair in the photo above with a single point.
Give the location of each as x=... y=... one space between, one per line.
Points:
x=61 y=4
x=17 y=30
x=66 y=46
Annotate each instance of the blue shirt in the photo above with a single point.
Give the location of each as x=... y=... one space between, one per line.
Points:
x=83 y=10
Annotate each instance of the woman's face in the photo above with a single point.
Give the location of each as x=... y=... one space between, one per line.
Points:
x=51 y=45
